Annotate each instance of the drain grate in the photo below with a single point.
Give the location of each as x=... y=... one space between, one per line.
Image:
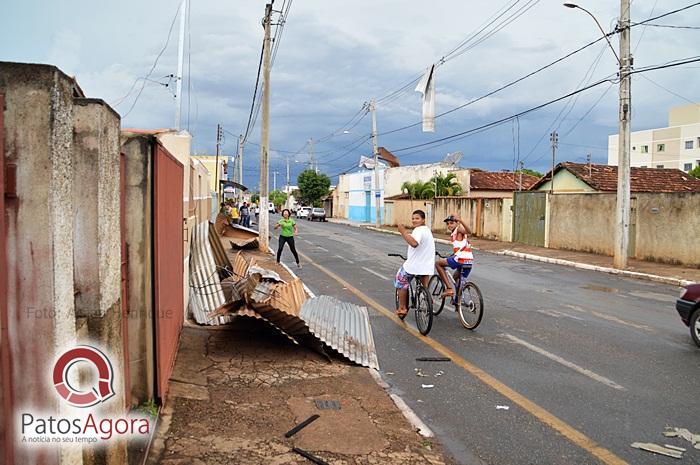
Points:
x=327 y=404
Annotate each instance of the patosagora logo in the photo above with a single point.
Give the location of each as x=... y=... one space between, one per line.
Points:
x=75 y=397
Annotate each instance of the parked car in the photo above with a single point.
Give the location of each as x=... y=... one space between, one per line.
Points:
x=317 y=214
x=303 y=212
x=688 y=307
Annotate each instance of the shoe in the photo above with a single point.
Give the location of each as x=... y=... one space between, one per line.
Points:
x=299 y=265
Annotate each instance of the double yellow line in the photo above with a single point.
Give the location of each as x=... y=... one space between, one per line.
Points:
x=566 y=430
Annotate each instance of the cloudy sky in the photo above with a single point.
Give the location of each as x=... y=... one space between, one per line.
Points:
x=333 y=56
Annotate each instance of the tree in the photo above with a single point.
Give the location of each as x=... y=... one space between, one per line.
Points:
x=695 y=172
x=418 y=190
x=255 y=198
x=312 y=187
x=278 y=198
x=446 y=184
x=530 y=172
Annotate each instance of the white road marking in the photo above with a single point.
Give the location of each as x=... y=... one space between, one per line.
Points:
x=557 y=314
x=375 y=273
x=622 y=322
x=566 y=363
x=345 y=259
x=325 y=250
x=308 y=242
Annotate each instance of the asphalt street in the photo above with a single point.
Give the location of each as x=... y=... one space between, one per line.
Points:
x=568 y=366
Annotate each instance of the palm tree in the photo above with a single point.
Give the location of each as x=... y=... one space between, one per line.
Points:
x=446 y=184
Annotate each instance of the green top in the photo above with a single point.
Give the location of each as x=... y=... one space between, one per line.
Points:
x=287 y=227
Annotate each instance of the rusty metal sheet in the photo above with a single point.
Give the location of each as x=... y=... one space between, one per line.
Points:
x=343 y=326
x=240 y=266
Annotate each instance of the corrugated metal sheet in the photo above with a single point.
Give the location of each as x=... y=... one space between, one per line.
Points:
x=265 y=273
x=240 y=266
x=220 y=257
x=343 y=326
x=206 y=293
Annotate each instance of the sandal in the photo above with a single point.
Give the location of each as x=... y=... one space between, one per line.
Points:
x=447 y=294
x=401 y=314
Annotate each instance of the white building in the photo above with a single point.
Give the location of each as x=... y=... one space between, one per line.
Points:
x=676 y=146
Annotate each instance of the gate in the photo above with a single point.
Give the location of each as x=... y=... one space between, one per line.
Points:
x=168 y=262
x=529 y=217
x=6 y=432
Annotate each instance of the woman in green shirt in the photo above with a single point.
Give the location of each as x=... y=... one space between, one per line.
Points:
x=289 y=230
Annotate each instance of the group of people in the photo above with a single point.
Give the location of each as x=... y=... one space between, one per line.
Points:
x=239 y=212
x=421 y=263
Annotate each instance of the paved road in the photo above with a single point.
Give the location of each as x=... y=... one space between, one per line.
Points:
x=586 y=362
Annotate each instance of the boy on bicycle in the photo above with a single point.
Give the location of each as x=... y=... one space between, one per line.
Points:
x=420 y=261
x=462 y=256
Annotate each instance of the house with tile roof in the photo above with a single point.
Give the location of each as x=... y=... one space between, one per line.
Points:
x=583 y=177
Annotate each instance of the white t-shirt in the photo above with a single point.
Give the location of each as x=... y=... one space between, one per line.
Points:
x=421 y=259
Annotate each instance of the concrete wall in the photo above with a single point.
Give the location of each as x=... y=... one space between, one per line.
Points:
x=400 y=211
x=139 y=231
x=343 y=197
x=359 y=185
x=97 y=255
x=582 y=222
x=395 y=177
x=490 y=218
x=38 y=138
x=667 y=227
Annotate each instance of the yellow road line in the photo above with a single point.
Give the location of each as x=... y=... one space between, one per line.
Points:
x=566 y=430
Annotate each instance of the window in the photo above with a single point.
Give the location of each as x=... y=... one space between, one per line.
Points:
x=645 y=149
x=688 y=144
x=660 y=147
x=660 y=166
x=687 y=167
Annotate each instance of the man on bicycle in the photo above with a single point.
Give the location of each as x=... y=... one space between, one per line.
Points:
x=420 y=262
x=462 y=256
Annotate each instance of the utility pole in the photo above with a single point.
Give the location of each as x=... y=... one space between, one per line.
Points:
x=240 y=160
x=622 y=217
x=219 y=133
x=590 y=168
x=312 y=156
x=180 y=60
x=274 y=182
x=287 y=190
x=375 y=150
x=520 y=183
x=264 y=220
x=554 y=139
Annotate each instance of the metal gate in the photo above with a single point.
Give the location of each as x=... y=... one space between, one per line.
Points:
x=529 y=210
x=168 y=262
x=6 y=432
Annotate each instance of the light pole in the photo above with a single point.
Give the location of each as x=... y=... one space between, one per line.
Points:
x=624 y=60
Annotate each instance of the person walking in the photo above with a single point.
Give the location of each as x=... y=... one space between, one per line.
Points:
x=289 y=230
x=245 y=215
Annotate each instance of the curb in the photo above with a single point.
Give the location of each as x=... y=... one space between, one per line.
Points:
x=556 y=261
x=602 y=269
x=407 y=412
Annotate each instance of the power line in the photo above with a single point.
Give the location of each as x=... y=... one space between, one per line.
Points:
x=155 y=63
x=667 y=14
x=668 y=90
x=255 y=93
x=672 y=26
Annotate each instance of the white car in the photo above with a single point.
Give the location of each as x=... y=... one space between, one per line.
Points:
x=303 y=212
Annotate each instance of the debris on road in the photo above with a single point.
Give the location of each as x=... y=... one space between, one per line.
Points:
x=433 y=359
x=683 y=433
x=420 y=373
x=439 y=373
x=309 y=456
x=427 y=386
x=327 y=404
x=502 y=407
x=669 y=446
x=301 y=426
x=657 y=449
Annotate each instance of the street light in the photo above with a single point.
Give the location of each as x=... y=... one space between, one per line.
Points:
x=624 y=60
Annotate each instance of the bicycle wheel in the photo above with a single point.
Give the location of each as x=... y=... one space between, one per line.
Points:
x=435 y=289
x=396 y=298
x=423 y=310
x=471 y=307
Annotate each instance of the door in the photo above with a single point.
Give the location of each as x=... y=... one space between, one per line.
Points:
x=368 y=206
x=529 y=217
x=168 y=262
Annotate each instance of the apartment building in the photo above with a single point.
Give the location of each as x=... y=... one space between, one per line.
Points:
x=676 y=146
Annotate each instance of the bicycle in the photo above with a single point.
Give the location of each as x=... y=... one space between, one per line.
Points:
x=419 y=300
x=467 y=299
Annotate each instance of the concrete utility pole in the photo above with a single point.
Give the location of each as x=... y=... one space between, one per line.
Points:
x=554 y=139
x=216 y=168
x=375 y=150
x=520 y=183
x=180 y=61
x=312 y=156
x=274 y=180
x=590 y=168
x=622 y=219
x=287 y=190
x=240 y=160
x=264 y=220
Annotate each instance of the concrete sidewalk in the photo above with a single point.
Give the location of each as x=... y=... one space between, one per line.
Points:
x=653 y=271
x=237 y=389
